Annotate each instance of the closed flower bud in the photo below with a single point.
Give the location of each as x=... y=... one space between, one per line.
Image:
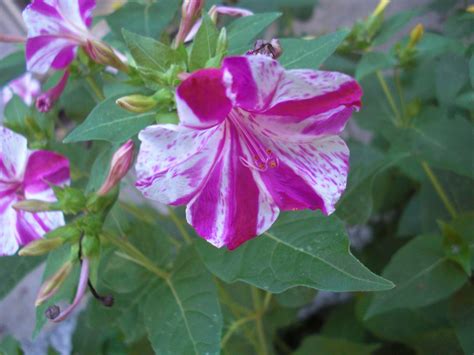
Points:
x=470 y=9
x=380 y=7
x=40 y=247
x=102 y=53
x=52 y=285
x=190 y=12
x=137 y=103
x=416 y=35
x=33 y=206
x=119 y=166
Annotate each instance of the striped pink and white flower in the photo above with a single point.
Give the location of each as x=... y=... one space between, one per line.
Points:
x=56 y=28
x=25 y=86
x=26 y=174
x=254 y=139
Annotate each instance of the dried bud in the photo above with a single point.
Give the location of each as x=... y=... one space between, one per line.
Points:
x=46 y=100
x=416 y=35
x=52 y=285
x=102 y=53
x=137 y=103
x=271 y=49
x=121 y=162
x=40 y=247
x=52 y=312
x=33 y=206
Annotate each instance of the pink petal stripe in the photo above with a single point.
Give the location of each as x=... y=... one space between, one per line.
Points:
x=13 y=155
x=42 y=52
x=174 y=162
x=231 y=208
x=201 y=99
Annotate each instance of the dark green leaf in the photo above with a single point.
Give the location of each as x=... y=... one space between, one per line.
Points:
x=300 y=53
x=296 y=297
x=462 y=317
x=451 y=75
x=329 y=346
x=392 y=25
x=471 y=70
x=182 y=314
x=244 y=30
x=204 y=44
x=301 y=249
x=11 y=67
x=110 y=123
x=422 y=274
x=146 y=19
x=10 y=346
x=13 y=269
x=373 y=61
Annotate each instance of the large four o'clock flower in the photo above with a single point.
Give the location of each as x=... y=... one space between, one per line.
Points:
x=253 y=139
x=26 y=174
x=56 y=28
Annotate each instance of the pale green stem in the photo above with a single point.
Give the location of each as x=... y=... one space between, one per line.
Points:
x=389 y=97
x=95 y=88
x=233 y=328
x=439 y=189
x=260 y=331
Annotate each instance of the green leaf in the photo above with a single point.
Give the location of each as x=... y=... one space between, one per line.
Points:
x=152 y=56
x=182 y=314
x=67 y=290
x=422 y=274
x=244 y=30
x=146 y=19
x=300 y=53
x=301 y=249
x=110 y=123
x=13 y=269
x=462 y=317
x=471 y=70
x=266 y=5
x=373 y=61
x=343 y=323
x=204 y=44
x=12 y=66
x=393 y=25
x=451 y=75
x=296 y=297
x=330 y=346
x=16 y=112
x=10 y=346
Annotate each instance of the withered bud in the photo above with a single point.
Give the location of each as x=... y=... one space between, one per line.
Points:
x=271 y=49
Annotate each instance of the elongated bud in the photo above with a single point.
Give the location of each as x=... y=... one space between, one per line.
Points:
x=137 y=103
x=40 y=247
x=33 y=206
x=46 y=100
x=380 y=7
x=102 y=53
x=190 y=12
x=470 y=9
x=416 y=35
x=121 y=162
x=52 y=285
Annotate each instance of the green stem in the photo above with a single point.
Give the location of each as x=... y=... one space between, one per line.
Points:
x=389 y=96
x=233 y=328
x=133 y=254
x=181 y=227
x=439 y=189
x=95 y=88
x=259 y=312
x=400 y=94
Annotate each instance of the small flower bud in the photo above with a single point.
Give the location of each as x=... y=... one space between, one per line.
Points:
x=190 y=12
x=137 y=103
x=52 y=285
x=119 y=166
x=33 y=206
x=470 y=9
x=46 y=100
x=416 y=35
x=102 y=53
x=380 y=7
x=40 y=247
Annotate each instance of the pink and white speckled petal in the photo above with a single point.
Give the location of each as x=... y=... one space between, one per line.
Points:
x=8 y=233
x=201 y=99
x=174 y=161
x=13 y=155
x=322 y=164
x=232 y=207
x=251 y=80
x=302 y=93
x=45 y=168
x=32 y=226
x=43 y=51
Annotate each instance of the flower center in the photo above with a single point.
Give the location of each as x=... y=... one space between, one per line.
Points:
x=261 y=158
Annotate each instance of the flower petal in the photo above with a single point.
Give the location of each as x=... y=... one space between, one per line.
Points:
x=13 y=155
x=44 y=51
x=251 y=80
x=8 y=234
x=45 y=168
x=201 y=99
x=32 y=226
x=323 y=165
x=304 y=93
x=233 y=206
x=174 y=161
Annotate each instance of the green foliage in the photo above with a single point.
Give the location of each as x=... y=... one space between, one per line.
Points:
x=11 y=67
x=13 y=269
